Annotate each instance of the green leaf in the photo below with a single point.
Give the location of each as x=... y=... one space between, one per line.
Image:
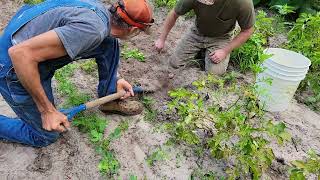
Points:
x=95 y=136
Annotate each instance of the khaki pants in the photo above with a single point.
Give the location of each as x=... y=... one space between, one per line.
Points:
x=190 y=45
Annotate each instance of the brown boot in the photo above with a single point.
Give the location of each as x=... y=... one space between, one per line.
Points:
x=123 y=107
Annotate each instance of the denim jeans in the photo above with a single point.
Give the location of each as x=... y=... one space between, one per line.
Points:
x=27 y=128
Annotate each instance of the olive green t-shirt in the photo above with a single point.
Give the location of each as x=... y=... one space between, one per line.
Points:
x=220 y=18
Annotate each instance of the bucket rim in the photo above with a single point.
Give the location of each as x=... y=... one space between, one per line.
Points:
x=281 y=71
x=308 y=62
x=286 y=78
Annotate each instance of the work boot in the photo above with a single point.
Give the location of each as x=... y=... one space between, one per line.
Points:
x=123 y=107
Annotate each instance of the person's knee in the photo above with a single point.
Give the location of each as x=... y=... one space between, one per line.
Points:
x=217 y=69
x=45 y=139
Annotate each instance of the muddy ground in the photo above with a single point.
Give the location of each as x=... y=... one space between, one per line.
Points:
x=73 y=157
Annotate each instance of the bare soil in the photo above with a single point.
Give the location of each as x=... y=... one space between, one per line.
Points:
x=73 y=157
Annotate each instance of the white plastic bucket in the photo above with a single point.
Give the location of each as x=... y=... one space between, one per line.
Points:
x=286 y=69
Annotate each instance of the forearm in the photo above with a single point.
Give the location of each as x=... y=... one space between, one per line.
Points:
x=168 y=24
x=27 y=71
x=240 y=39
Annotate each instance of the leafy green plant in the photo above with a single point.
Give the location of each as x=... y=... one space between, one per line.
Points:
x=150 y=113
x=133 y=177
x=250 y=55
x=132 y=53
x=304 y=38
x=199 y=174
x=109 y=165
x=283 y=9
x=90 y=123
x=301 y=169
x=300 y=6
x=236 y=133
x=158 y=155
x=89 y=66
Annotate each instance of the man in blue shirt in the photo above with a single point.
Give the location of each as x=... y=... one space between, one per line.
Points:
x=43 y=38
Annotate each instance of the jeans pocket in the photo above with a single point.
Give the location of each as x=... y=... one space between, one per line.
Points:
x=18 y=93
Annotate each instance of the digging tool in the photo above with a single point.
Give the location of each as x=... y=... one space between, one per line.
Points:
x=70 y=113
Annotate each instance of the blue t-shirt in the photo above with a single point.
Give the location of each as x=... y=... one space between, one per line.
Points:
x=80 y=30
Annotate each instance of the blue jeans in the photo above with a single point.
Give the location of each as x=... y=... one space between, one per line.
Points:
x=27 y=128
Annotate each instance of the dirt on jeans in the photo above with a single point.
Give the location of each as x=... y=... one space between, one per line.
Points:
x=73 y=156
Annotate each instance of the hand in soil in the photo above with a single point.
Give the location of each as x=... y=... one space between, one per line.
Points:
x=124 y=85
x=159 y=44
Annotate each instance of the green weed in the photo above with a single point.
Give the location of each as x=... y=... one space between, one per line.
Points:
x=93 y=124
x=89 y=66
x=133 y=177
x=301 y=169
x=132 y=53
x=109 y=165
x=199 y=174
x=67 y=88
x=150 y=113
x=158 y=155
x=235 y=133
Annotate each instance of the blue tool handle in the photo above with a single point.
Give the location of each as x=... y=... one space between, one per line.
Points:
x=137 y=89
x=70 y=113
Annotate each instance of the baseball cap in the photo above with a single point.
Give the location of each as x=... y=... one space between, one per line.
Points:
x=136 y=13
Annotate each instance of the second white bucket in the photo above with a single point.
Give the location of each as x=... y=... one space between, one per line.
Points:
x=286 y=69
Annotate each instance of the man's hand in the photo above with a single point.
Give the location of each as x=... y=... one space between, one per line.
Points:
x=159 y=44
x=124 y=85
x=218 y=55
x=54 y=121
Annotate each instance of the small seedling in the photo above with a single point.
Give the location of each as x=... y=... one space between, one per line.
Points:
x=158 y=155
x=133 y=53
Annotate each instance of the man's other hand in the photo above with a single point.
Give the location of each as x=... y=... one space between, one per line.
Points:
x=218 y=55
x=159 y=44
x=124 y=85
x=54 y=121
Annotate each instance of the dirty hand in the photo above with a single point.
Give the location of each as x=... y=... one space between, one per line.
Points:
x=54 y=121
x=218 y=55
x=124 y=85
x=159 y=44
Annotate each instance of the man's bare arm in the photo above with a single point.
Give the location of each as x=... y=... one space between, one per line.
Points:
x=240 y=39
x=218 y=55
x=167 y=26
x=25 y=58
